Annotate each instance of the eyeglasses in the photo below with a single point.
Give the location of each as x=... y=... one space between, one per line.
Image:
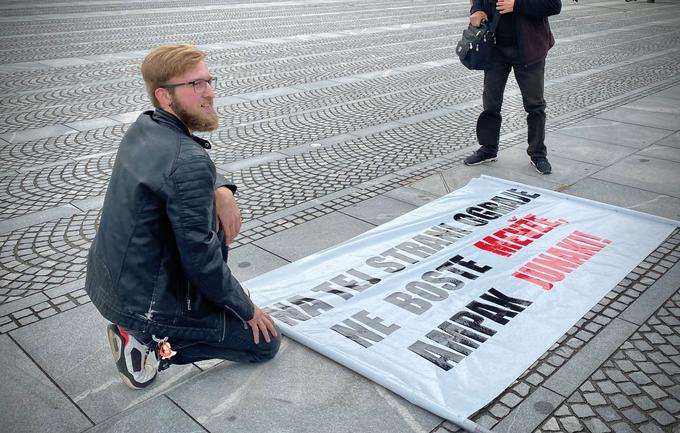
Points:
x=200 y=85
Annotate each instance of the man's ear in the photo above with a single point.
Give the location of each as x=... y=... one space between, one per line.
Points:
x=163 y=96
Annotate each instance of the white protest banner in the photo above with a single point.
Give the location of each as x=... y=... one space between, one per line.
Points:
x=448 y=304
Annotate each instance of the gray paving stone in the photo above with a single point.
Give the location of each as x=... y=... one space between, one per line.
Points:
x=583 y=410
x=35 y=218
x=157 y=415
x=621 y=401
x=596 y=426
x=249 y=261
x=572 y=424
x=644 y=116
x=608 y=414
x=29 y=401
x=433 y=185
x=313 y=236
x=86 y=125
x=411 y=195
x=20 y=304
x=634 y=415
x=653 y=298
x=84 y=369
x=514 y=163
x=526 y=417
x=621 y=427
x=589 y=358
x=644 y=403
x=340 y=400
x=378 y=210
x=615 y=132
x=671 y=405
x=37 y=133
x=585 y=150
x=650 y=428
x=656 y=175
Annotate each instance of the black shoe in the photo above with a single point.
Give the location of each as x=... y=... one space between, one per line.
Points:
x=479 y=157
x=542 y=166
x=136 y=362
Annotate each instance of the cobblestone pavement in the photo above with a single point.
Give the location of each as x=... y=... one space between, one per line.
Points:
x=329 y=104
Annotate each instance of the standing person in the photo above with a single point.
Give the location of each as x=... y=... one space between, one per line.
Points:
x=523 y=38
x=157 y=267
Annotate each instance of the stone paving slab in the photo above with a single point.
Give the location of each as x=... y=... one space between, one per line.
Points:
x=29 y=401
x=626 y=196
x=249 y=261
x=585 y=150
x=73 y=350
x=299 y=391
x=160 y=414
x=650 y=174
x=313 y=236
x=615 y=131
x=387 y=209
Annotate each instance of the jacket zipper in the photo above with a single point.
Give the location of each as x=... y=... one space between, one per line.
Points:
x=245 y=324
x=188 y=296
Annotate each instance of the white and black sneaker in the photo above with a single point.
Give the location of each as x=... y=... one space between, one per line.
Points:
x=137 y=363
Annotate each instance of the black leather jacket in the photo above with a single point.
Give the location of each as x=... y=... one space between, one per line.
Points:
x=157 y=264
x=534 y=37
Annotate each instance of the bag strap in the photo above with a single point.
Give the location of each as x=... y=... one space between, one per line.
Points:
x=496 y=17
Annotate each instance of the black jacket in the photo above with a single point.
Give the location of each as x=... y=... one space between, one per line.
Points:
x=534 y=37
x=157 y=264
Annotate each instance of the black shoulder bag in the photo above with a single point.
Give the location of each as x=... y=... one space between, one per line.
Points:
x=475 y=47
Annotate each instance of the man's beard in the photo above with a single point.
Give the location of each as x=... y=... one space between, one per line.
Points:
x=199 y=121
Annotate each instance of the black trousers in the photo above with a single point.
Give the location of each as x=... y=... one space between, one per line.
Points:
x=530 y=80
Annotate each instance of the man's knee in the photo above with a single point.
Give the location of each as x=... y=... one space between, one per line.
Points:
x=266 y=351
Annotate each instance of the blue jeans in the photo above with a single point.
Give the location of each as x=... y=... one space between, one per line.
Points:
x=531 y=82
x=238 y=346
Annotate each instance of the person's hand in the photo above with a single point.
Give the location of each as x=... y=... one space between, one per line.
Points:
x=262 y=322
x=228 y=213
x=477 y=18
x=505 y=6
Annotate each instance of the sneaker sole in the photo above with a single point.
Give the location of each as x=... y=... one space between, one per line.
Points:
x=481 y=162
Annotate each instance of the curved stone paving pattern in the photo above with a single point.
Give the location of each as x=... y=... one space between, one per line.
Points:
x=64 y=148
x=45 y=255
x=87 y=178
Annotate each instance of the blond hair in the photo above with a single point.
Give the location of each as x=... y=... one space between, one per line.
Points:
x=166 y=62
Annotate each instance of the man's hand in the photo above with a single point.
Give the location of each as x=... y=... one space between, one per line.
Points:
x=262 y=322
x=505 y=6
x=228 y=213
x=477 y=18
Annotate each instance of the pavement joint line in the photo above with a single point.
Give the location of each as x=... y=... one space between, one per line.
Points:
x=36 y=218
x=65 y=288
x=20 y=304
